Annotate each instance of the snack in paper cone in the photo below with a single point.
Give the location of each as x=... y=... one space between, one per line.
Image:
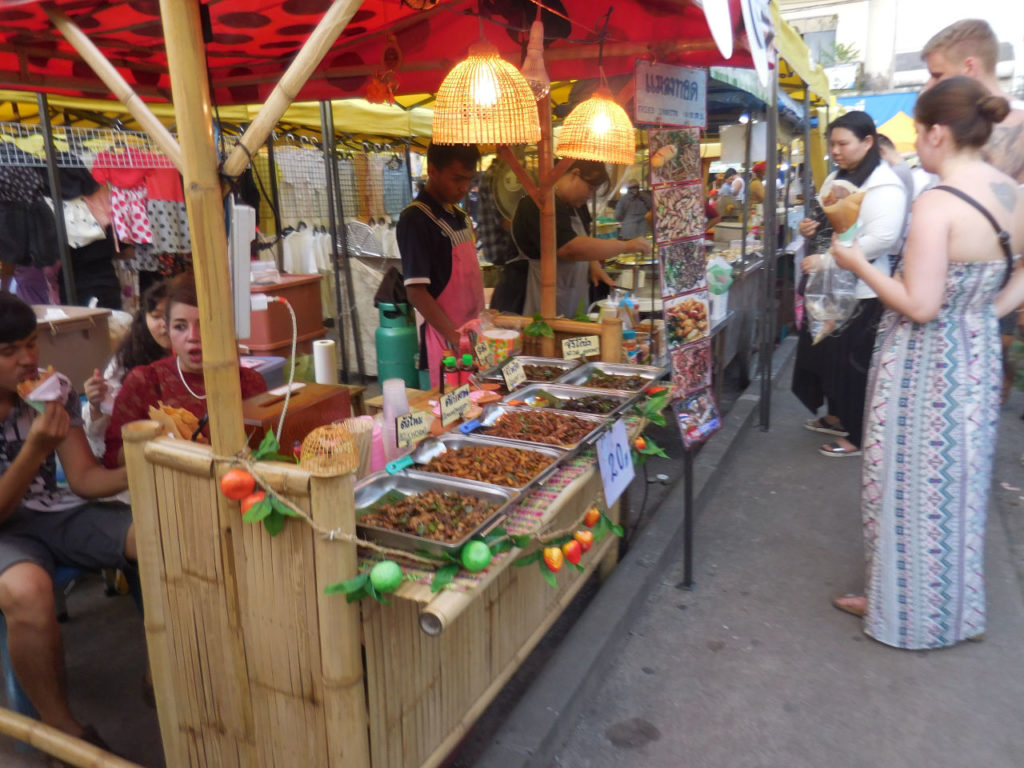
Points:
x=176 y=422
x=841 y=202
x=28 y=386
x=47 y=387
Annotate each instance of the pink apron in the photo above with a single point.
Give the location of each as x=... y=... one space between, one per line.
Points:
x=462 y=298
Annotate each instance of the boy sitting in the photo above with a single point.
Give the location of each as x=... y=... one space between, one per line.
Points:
x=43 y=526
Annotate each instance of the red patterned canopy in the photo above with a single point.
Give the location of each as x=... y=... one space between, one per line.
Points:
x=251 y=42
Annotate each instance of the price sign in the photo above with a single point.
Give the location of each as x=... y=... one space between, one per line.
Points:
x=454 y=404
x=581 y=346
x=513 y=374
x=615 y=461
x=484 y=356
x=412 y=427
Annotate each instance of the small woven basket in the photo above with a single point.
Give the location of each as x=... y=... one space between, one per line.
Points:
x=329 y=450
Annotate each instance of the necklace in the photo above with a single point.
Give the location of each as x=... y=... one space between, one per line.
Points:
x=177 y=362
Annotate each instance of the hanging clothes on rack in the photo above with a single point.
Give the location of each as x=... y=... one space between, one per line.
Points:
x=28 y=235
x=397 y=190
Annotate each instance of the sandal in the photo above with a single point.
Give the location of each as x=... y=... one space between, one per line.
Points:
x=855 y=605
x=820 y=425
x=833 y=450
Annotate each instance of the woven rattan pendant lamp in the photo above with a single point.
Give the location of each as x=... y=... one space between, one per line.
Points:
x=485 y=100
x=598 y=129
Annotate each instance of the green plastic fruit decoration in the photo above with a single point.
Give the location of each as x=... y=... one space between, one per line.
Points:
x=237 y=484
x=553 y=559
x=386 y=576
x=591 y=517
x=585 y=538
x=476 y=556
x=572 y=551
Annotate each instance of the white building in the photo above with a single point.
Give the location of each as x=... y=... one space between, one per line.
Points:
x=888 y=36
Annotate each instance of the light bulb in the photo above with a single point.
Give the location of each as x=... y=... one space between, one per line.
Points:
x=485 y=88
x=533 y=68
x=602 y=123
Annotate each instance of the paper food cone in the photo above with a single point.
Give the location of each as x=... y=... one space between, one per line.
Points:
x=55 y=388
x=843 y=213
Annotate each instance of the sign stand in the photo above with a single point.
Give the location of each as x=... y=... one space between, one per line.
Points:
x=688 y=512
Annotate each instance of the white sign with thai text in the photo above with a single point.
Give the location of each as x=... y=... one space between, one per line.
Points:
x=671 y=96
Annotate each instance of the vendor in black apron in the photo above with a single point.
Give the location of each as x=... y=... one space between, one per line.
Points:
x=579 y=255
x=435 y=238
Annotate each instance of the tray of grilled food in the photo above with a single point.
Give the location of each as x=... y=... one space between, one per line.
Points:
x=484 y=459
x=537 y=369
x=621 y=377
x=536 y=425
x=428 y=512
x=560 y=397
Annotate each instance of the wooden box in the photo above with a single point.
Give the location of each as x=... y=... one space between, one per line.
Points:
x=312 y=406
x=75 y=345
x=270 y=331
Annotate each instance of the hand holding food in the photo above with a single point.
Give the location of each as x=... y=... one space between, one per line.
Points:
x=96 y=389
x=846 y=256
x=49 y=428
x=811 y=263
x=641 y=244
x=808 y=227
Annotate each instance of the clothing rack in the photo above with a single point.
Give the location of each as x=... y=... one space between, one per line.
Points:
x=23 y=145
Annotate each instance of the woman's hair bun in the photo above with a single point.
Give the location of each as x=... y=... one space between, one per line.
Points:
x=994 y=108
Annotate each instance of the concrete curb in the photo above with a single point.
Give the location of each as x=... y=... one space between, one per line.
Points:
x=547 y=712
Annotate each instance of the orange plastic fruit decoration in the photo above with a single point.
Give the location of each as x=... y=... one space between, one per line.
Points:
x=252 y=498
x=585 y=538
x=591 y=517
x=573 y=551
x=553 y=559
x=237 y=484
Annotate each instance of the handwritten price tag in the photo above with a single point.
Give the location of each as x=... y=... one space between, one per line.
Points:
x=513 y=374
x=412 y=427
x=484 y=356
x=615 y=461
x=581 y=346
x=454 y=404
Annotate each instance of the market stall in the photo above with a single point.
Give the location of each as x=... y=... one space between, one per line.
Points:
x=254 y=663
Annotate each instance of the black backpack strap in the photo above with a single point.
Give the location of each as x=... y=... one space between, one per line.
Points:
x=1002 y=234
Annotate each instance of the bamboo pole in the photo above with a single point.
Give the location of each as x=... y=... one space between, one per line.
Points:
x=57 y=743
x=313 y=51
x=118 y=85
x=190 y=88
x=348 y=745
x=545 y=160
x=152 y=577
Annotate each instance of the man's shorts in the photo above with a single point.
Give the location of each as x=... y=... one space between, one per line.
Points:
x=89 y=536
x=1008 y=325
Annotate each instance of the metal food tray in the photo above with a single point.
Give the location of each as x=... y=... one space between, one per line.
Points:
x=452 y=441
x=495 y=411
x=579 y=376
x=494 y=374
x=625 y=397
x=372 y=487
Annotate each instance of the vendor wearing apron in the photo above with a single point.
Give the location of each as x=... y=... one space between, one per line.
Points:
x=578 y=254
x=435 y=238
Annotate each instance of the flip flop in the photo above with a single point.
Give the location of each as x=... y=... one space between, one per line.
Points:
x=820 y=425
x=844 y=603
x=834 y=450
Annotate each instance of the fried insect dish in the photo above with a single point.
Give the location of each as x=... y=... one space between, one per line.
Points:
x=542 y=372
x=496 y=464
x=603 y=380
x=541 y=427
x=447 y=516
x=590 y=404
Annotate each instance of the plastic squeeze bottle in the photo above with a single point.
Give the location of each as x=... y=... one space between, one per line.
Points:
x=450 y=374
x=466 y=369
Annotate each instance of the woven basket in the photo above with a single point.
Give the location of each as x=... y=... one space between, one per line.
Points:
x=329 y=450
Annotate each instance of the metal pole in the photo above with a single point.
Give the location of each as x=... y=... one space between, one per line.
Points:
x=806 y=178
x=688 y=513
x=746 y=187
x=771 y=236
x=67 y=271
x=275 y=196
x=327 y=136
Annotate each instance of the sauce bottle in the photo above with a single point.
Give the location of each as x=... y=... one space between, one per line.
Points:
x=466 y=369
x=449 y=374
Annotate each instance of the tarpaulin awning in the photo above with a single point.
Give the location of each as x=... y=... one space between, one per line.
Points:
x=249 y=43
x=797 y=62
x=882 y=106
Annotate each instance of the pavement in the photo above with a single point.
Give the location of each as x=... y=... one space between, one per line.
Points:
x=752 y=667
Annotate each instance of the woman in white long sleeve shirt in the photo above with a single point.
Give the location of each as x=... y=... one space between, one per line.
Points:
x=834 y=372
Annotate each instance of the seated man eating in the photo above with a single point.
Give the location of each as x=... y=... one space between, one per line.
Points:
x=43 y=526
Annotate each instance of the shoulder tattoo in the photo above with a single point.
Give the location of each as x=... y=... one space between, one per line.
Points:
x=1005 y=193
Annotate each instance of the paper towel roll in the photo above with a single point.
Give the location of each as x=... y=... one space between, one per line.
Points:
x=325 y=361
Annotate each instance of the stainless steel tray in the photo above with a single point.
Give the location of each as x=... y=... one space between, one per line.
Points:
x=624 y=399
x=372 y=487
x=432 y=448
x=578 y=377
x=495 y=411
x=494 y=374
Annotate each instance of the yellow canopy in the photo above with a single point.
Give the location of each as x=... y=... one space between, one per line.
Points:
x=900 y=128
x=798 y=56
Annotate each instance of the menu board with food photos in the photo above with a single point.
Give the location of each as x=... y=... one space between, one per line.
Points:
x=679 y=222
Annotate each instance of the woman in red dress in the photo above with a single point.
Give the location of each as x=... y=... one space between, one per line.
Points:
x=176 y=380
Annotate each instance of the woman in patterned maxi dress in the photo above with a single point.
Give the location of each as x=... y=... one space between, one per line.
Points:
x=934 y=386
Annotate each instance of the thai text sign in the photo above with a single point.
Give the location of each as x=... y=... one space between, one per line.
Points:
x=671 y=96
x=454 y=404
x=412 y=427
x=581 y=346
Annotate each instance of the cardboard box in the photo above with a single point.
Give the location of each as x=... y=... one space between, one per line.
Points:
x=75 y=344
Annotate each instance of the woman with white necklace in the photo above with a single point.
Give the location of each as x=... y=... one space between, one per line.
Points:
x=176 y=380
